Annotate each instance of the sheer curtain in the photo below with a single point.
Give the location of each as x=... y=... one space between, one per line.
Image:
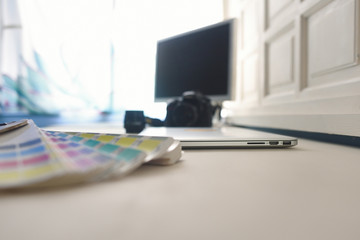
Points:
x=97 y=55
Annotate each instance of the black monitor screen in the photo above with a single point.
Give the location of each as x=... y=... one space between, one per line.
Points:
x=200 y=60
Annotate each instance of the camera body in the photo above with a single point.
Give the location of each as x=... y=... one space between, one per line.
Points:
x=192 y=109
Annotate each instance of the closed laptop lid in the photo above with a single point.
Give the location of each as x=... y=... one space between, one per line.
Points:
x=221 y=137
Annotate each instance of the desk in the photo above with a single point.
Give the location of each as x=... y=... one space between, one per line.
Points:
x=308 y=192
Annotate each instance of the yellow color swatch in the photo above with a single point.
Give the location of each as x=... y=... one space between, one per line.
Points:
x=149 y=145
x=8 y=176
x=105 y=138
x=87 y=135
x=40 y=170
x=126 y=141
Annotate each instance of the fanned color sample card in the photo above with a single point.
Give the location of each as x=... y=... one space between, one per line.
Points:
x=33 y=157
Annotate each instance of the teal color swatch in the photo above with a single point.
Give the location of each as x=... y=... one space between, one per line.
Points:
x=108 y=148
x=76 y=138
x=91 y=143
x=128 y=154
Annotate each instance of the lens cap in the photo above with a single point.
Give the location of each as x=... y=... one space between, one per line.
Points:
x=134 y=121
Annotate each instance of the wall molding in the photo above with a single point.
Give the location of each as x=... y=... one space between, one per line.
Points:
x=332 y=116
x=339 y=124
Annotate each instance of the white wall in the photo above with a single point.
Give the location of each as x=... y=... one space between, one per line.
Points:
x=297 y=65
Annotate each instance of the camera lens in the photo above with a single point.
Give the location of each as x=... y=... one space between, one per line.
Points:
x=134 y=121
x=185 y=114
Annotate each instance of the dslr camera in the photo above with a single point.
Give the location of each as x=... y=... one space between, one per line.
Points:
x=192 y=109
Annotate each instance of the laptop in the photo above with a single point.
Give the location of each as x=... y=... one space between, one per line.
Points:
x=222 y=137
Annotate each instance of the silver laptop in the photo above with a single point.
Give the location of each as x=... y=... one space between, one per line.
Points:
x=221 y=137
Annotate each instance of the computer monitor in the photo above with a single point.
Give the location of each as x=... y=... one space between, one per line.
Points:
x=200 y=60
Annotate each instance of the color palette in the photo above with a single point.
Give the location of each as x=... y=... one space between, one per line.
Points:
x=152 y=146
x=27 y=162
x=86 y=156
x=30 y=156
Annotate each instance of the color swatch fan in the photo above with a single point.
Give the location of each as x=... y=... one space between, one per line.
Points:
x=33 y=157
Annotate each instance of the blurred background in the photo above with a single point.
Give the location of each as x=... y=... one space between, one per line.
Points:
x=89 y=57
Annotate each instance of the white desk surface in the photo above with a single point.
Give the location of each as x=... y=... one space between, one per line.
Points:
x=308 y=192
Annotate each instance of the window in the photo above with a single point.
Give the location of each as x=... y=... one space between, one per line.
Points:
x=90 y=55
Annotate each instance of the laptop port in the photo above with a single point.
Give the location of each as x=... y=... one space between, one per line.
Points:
x=273 y=142
x=255 y=143
x=286 y=142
